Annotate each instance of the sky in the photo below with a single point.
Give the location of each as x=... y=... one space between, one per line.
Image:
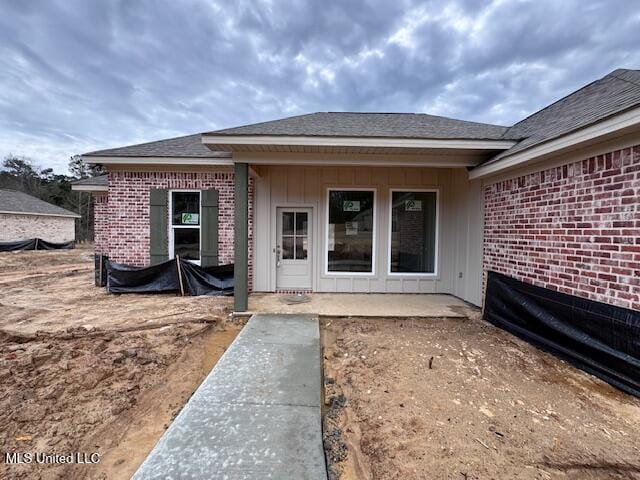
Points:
x=78 y=75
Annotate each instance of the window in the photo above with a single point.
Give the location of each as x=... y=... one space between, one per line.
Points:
x=413 y=232
x=294 y=235
x=184 y=230
x=350 y=231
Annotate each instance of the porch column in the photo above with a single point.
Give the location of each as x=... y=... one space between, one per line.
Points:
x=241 y=237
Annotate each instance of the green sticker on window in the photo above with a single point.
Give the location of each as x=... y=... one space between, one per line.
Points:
x=351 y=206
x=190 y=219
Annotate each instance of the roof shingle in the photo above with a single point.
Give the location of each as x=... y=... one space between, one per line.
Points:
x=612 y=94
x=20 y=202
x=187 y=146
x=384 y=125
x=100 y=181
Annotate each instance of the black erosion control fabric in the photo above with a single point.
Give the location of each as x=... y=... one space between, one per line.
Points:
x=601 y=339
x=35 y=244
x=170 y=276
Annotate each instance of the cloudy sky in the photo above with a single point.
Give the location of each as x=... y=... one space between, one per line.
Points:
x=78 y=75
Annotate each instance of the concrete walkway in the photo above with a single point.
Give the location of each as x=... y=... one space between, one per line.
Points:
x=256 y=415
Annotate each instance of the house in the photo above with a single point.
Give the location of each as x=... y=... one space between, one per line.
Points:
x=393 y=202
x=24 y=217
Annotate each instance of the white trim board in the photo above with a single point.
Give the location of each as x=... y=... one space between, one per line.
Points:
x=374 y=234
x=615 y=124
x=436 y=260
x=215 y=161
x=566 y=158
x=7 y=212
x=90 y=188
x=435 y=160
x=172 y=227
x=383 y=142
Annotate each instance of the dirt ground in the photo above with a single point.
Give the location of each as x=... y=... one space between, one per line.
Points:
x=83 y=371
x=461 y=399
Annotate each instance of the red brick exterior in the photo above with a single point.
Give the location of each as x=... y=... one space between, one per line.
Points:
x=101 y=223
x=127 y=213
x=573 y=228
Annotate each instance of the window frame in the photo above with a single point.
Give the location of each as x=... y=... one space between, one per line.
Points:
x=374 y=238
x=436 y=258
x=170 y=233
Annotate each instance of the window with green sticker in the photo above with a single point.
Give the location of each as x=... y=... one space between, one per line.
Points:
x=184 y=235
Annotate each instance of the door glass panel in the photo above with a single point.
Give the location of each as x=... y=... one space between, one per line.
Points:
x=287 y=248
x=186 y=208
x=350 y=241
x=287 y=223
x=186 y=243
x=301 y=248
x=301 y=223
x=413 y=232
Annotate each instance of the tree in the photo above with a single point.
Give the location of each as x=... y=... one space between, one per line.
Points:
x=19 y=173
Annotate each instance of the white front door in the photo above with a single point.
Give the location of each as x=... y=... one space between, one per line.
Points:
x=293 y=249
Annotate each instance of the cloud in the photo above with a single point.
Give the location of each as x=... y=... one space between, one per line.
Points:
x=77 y=76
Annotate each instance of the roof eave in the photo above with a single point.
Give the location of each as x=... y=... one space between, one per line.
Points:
x=90 y=188
x=217 y=160
x=40 y=214
x=228 y=142
x=610 y=127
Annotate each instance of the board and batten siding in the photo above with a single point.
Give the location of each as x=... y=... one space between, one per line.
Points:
x=459 y=255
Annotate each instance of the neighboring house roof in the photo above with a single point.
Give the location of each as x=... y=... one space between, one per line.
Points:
x=187 y=146
x=99 y=181
x=14 y=201
x=385 y=125
x=612 y=94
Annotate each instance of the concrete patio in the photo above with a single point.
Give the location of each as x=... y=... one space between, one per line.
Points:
x=361 y=305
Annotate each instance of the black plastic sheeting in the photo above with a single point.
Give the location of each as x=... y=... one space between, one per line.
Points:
x=188 y=279
x=35 y=244
x=601 y=339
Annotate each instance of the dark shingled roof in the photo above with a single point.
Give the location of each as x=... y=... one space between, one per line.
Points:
x=20 y=202
x=100 y=181
x=188 y=146
x=385 y=125
x=613 y=93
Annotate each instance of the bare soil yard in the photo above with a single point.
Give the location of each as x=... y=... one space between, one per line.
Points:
x=461 y=399
x=83 y=371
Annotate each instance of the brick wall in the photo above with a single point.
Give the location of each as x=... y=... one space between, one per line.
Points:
x=128 y=212
x=101 y=223
x=574 y=228
x=14 y=227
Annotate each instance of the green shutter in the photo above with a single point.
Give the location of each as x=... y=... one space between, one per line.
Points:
x=158 y=226
x=209 y=228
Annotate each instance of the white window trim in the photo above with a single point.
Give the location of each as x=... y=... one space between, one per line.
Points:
x=173 y=227
x=328 y=273
x=437 y=242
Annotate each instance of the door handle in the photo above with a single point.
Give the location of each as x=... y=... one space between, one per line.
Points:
x=278 y=253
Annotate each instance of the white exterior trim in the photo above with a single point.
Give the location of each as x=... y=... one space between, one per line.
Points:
x=374 y=235
x=436 y=159
x=222 y=161
x=90 y=188
x=172 y=227
x=437 y=242
x=609 y=126
x=382 y=142
x=7 y=212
